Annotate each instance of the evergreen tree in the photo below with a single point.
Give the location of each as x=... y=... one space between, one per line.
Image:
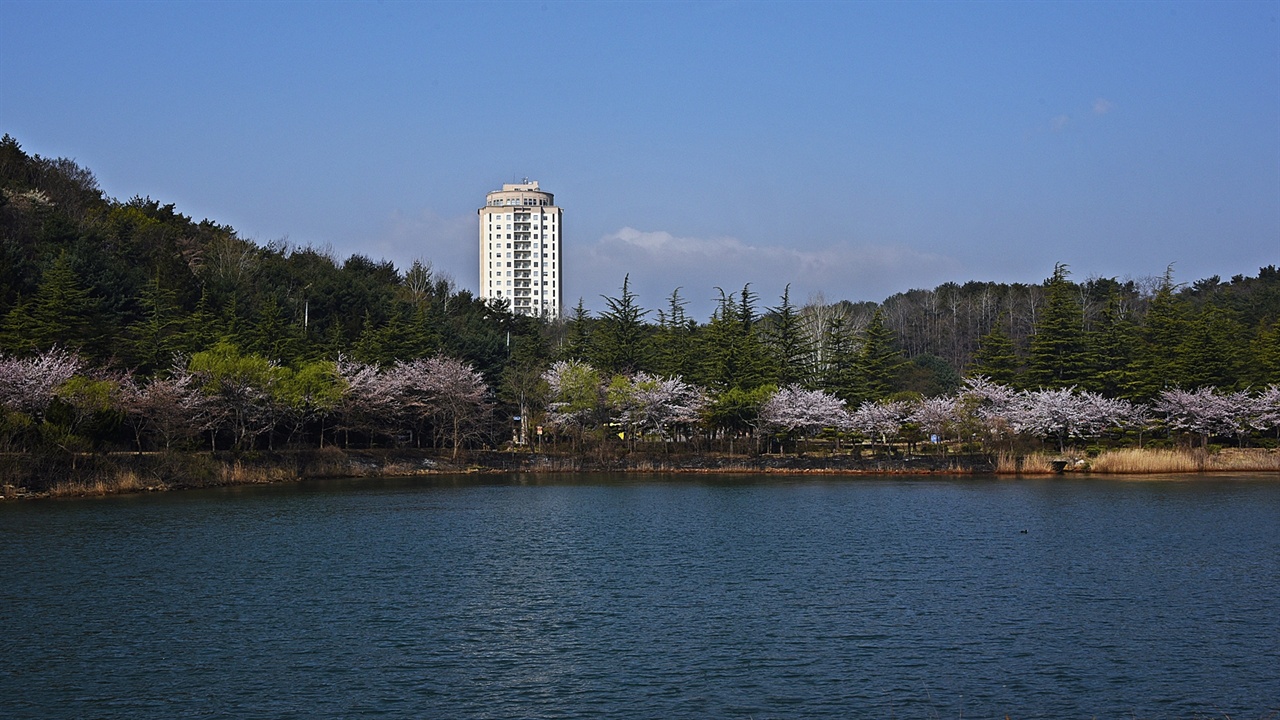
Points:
x=733 y=356
x=1213 y=350
x=62 y=313
x=368 y=347
x=789 y=343
x=1057 y=354
x=577 y=343
x=422 y=338
x=334 y=342
x=620 y=343
x=674 y=351
x=997 y=358
x=271 y=335
x=880 y=361
x=203 y=328
x=1157 y=362
x=1111 y=343
x=156 y=338
x=840 y=375
x=757 y=362
x=1264 y=367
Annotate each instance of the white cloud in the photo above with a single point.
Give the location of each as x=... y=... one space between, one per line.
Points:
x=658 y=262
x=1102 y=106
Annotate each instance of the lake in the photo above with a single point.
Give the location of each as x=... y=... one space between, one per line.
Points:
x=649 y=596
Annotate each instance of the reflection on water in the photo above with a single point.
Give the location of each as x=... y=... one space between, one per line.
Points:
x=648 y=596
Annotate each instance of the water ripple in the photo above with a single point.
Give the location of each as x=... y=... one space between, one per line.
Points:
x=643 y=598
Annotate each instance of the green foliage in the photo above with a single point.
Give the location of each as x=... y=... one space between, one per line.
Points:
x=620 y=341
x=1157 y=362
x=733 y=355
x=1213 y=351
x=1057 y=354
x=156 y=337
x=62 y=314
x=737 y=409
x=84 y=411
x=840 y=373
x=789 y=344
x=880 y=361
x=577 y=346
x=1265 y=351
x=675 y=340
x=1111 y=344
x=927 y=376
x=136 y=285
x=997 y=358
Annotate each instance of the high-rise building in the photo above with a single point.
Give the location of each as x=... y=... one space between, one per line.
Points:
x=520 y=233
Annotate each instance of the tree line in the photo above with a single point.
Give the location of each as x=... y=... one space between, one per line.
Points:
x=169 y=332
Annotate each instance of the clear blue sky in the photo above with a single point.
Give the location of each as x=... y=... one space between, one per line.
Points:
x=850 y=149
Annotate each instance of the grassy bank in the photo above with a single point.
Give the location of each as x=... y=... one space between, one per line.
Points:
x=93 y=475
x=1141 y=461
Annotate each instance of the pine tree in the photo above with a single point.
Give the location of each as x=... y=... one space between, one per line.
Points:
x=1057 y=354
x=789 y=344
x=757 y=367
x=840 y=375
x=880 y=361
x=997 y=358
x=157 y=337
x=369 y=347
x=203 y=328
x=733 y=355
x=62 y=313
x=271 y=335
x=577 y=343
x=1157 y=362
x=1111 y=343
x=1264 y=350
x=620 y=343
x=1213 y=350
x=675 y=339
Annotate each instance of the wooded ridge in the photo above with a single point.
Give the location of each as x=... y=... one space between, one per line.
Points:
x=127 y=325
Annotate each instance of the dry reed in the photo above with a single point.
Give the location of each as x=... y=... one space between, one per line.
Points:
x=1137 y=460
x=1144 y=461
x=237 y=473
x=1032 y=464
x=1248 y=459
x=121 y=481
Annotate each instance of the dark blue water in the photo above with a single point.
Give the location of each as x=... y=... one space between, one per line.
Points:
x=648 y=597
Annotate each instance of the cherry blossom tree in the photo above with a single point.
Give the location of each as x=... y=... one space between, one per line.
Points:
x=1265 y=413
x=448 y=392
x=172 y=407
x=1203 y=411
x=578 y=398
x=651 y=404
x=983 y=408
x=1066 y=413
x=804 y=412
x=369 y=401
x=880 y=419
x=28 y=387
x=936 y=415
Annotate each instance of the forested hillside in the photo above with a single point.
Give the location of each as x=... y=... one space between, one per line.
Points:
x=140 y=295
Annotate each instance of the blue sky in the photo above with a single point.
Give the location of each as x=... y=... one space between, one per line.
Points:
x=849 y=149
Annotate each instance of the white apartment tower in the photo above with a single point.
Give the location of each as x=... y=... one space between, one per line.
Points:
x=520 y=233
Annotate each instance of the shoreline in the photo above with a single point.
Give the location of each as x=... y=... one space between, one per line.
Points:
x=25 y=476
